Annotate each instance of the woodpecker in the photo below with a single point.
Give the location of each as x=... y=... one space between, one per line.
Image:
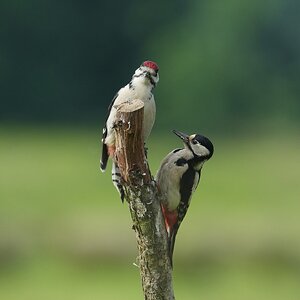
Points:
x=140 y=87
x=178 y=178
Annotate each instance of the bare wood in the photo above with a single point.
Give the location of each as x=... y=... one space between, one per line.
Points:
x=142 y=197
x=129 y=141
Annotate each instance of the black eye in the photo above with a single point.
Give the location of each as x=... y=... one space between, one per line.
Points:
x=194 y=142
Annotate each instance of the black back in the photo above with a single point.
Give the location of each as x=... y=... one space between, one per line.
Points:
x=186 y=186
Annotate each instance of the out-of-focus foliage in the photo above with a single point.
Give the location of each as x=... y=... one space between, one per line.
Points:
x=64 y=233
x=222 y=63
x=224 y=66
x=231 y=62
x=64 y=60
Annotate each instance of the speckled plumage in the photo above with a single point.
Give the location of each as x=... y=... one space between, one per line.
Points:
x=139 y=88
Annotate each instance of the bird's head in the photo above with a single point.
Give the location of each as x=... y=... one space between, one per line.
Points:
x=200 y=145
x=147 y=73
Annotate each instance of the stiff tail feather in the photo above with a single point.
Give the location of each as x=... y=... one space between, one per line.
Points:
x=170 y=218
x=171 y=242
x=104 y=158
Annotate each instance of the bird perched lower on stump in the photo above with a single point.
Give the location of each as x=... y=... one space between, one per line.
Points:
x=140 y=87
x=178 y=178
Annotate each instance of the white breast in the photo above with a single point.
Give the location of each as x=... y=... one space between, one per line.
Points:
x=149 y=116
x=126 y=94
x=168 y=178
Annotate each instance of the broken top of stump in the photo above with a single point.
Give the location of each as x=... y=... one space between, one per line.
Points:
x=130 y=152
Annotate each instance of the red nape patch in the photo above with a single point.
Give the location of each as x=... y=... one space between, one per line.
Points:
x=151 y=64
x=170 y=218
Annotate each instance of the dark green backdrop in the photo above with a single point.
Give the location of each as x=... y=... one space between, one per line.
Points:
x=223 y=64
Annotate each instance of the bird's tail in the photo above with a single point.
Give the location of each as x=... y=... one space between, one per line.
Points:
x=104 y=158
x=170 y=219
x=171 y=242
x=117 y=180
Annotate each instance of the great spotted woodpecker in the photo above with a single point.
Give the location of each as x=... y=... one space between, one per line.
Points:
x=178 y=178
x=140 y=87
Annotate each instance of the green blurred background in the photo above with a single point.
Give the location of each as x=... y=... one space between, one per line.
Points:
x=229 y=70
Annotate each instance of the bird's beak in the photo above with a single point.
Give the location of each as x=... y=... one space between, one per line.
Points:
x=182 y=135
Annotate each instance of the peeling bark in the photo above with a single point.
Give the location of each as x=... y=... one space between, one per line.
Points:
x=144 y=205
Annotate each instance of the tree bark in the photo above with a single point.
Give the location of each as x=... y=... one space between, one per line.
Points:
x=142 y=196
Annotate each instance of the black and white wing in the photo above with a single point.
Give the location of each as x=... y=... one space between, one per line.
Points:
x=188 y=183
x=104 y=157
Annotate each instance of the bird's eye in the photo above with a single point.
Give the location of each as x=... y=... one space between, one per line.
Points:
x=194 y=142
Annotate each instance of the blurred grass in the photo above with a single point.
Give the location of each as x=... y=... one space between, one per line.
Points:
x=65 y=235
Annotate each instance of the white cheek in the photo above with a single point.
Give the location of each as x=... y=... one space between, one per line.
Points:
x=200 y=150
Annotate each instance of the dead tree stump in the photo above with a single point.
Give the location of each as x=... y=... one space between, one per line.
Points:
x=142 y=197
